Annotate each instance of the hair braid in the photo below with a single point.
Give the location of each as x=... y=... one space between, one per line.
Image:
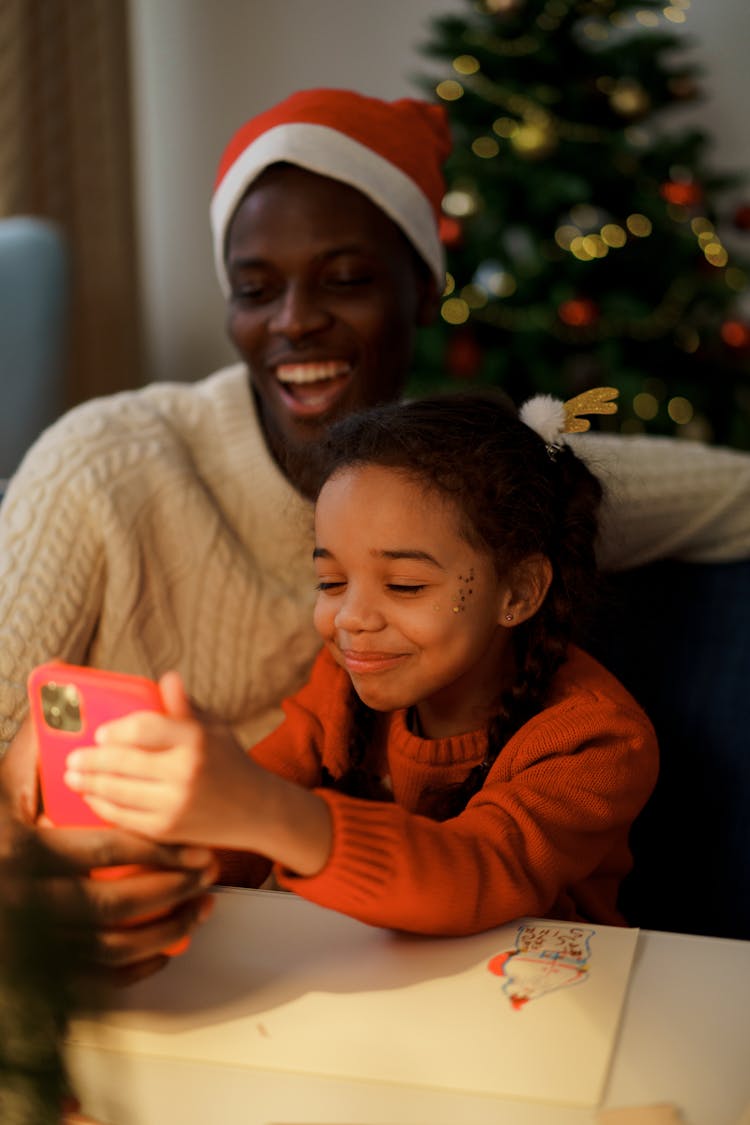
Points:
x=358 y=780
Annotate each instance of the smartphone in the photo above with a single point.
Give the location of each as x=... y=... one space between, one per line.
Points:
x=67 y=704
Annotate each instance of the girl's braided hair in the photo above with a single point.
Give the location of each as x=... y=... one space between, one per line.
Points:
x=515 y=497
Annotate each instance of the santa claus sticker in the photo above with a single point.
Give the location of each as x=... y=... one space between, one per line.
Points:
x=546 y=957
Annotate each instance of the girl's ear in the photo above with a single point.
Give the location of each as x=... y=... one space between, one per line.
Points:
x=526 y=589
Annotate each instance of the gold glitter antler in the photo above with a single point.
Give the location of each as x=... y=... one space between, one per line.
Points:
x=596 y=401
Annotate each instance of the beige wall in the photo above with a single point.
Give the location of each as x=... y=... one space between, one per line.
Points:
x=201 y=67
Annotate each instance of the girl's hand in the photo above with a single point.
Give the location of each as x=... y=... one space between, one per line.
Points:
x=130 y=920
x=168 y=776
x=173 y=778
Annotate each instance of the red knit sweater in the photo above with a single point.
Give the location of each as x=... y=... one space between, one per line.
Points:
x=546 y=835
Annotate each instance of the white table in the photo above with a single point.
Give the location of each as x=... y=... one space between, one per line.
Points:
x=684 y=1039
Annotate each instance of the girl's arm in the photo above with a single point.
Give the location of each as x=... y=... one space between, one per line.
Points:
x=175 y=779
x=547 y=834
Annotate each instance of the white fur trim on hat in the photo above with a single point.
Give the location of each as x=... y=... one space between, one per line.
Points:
x=329 y=153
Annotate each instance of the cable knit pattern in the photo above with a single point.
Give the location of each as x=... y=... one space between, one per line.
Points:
x=152 y=530
x=546 y=835
x=665 y=498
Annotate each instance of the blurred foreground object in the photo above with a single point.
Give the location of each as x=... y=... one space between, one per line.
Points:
x=42 y=950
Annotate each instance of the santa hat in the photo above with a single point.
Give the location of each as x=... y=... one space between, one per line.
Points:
x=392 y=152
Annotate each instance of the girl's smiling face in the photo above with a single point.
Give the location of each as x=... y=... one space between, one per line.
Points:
x=412 y=611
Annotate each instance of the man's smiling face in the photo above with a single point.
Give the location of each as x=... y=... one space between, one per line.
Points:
x=326 y=294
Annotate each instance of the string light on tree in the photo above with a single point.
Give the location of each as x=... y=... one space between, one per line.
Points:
x=504 y=7
x=494 y=278
x=455 y=310
x=639 y=225
x=534 y=140
x=680 y=410
x=629 y=98
x=450 y=90
x=674 y=14
x=646 y=406
x=465 y=64
x=485 y=147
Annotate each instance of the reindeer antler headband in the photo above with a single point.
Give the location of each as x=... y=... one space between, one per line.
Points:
x=551 y=418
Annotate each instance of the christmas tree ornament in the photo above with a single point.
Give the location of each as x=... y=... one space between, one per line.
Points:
x=451 y=232
x=579 y=312
x=735 y=334
x=683 y=88
x=681 y=193
x=464 y=355
x=741 y=217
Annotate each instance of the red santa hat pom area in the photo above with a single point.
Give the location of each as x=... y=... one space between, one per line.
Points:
x=393 y=152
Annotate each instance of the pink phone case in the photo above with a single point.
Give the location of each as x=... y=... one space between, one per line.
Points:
x=67 y=704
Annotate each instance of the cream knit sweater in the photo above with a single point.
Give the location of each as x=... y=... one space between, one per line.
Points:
x=152 y=530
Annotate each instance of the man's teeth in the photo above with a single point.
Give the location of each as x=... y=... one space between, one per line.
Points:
x=311 y=372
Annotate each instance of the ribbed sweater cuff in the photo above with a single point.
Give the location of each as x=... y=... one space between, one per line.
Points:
x=367 y=839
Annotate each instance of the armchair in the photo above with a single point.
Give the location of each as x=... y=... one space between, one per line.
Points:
x=33 y=314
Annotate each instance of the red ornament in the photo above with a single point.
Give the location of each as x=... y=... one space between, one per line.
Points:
x=683 y=87
x=681 y=194
x=735 y=334
x=463 y=356
x=579 y=312
x=451 y=232
x=742 y=217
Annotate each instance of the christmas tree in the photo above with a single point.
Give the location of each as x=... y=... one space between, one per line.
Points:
x=587 y=235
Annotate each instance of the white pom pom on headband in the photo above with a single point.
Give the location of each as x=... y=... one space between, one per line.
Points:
x=393 y=152
x=551 y=418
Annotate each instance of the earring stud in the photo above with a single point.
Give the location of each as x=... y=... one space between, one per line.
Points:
x=509 y=617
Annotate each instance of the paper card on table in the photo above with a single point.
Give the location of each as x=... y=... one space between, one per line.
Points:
x=529 y=1010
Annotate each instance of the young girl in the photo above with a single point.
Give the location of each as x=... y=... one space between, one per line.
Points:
x=453 y=762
